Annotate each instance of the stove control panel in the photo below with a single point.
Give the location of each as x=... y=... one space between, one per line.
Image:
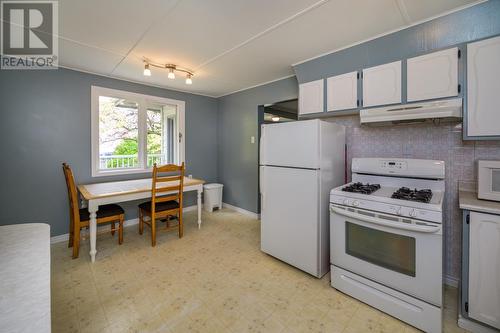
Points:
x=412 y=168
x=396 y=210
x=393 y=165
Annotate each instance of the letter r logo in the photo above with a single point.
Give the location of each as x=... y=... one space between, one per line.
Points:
x=27 y=28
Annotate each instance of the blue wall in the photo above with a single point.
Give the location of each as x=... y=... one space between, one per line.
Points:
x=238 y=158
x=238 y=112
x=467 y=25
x=45 y=120
x=457 y=29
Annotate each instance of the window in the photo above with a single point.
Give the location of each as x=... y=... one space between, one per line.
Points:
x=131 y=132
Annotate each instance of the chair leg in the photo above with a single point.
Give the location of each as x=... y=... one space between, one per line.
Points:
x=170 y=222
x=76 y=241
x=120 y=230
x=141 y=222
x=181 y=227
x=153 y=230
x=112 y=228
x=71 y=232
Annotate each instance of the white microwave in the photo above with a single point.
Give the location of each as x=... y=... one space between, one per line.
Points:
x=488 y=180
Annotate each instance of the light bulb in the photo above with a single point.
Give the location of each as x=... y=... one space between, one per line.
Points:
x=275 y=118
x=171 y=74
x=147 y=71
x=188 y=79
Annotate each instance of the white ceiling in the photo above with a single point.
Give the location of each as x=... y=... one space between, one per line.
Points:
x=231 y=45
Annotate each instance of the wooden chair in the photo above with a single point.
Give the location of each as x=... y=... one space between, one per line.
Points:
x=164 y=207
x=80 y=218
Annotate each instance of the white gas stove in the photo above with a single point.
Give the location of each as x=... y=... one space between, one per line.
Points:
x=386 y=237
x=376 y=182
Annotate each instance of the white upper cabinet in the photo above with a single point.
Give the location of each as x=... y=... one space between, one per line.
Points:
x=382 y=84
x=342 y=92
x=483 y=88
x=311 y=97
x=434 y=75
x=484 y=268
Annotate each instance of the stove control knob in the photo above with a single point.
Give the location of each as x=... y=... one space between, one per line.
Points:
x=413 y=213
x=346 y=202
x=398 y=211
x=355 y=203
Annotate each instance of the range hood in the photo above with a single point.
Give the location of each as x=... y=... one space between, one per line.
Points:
x=442 y=110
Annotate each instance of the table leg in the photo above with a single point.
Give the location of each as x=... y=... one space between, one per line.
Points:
x=199 y=207
x=93 y=231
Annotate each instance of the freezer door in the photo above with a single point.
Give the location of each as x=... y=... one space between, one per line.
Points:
x=294 y=144
x=289 y=216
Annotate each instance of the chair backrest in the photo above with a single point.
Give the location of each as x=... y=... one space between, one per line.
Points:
x=174 y=181
x=74 y=214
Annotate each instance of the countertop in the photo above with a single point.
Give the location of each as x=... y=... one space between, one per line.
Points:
x=25 y=278
x=468 y=200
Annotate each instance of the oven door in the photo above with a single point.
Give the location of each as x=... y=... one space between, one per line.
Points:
x=400 y=253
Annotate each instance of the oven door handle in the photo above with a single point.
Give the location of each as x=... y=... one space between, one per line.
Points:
x=399 y=225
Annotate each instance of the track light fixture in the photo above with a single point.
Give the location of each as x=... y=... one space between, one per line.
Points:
x=171 y=74
x=171 y=70
x=147 y=71
x=188 y=78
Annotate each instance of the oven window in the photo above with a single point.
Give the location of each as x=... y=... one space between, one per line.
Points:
x=495 y=180
x=392 y=251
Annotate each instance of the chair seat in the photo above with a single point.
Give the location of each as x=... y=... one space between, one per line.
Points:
x=160 y=206
x=104 y=211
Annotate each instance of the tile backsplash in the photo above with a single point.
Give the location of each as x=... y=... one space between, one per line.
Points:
x=426 y=141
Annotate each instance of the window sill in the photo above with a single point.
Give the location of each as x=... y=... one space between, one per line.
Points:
x=117 y=172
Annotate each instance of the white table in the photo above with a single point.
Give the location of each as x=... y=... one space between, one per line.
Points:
x=25 y=278
x=115 y=192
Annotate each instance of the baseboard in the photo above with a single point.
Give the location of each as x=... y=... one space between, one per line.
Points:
x=241 y=210
x=451 y=281
x=127 y=223
x=59 y=239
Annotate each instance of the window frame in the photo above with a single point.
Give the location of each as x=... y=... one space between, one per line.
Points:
x=143 y=101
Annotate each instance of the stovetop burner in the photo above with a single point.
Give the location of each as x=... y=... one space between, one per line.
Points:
x=361 y=188
x=404 y=193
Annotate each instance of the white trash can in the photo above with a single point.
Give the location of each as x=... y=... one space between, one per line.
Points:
x=212 y=196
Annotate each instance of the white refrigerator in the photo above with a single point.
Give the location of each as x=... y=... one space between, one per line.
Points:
x=300 y=162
